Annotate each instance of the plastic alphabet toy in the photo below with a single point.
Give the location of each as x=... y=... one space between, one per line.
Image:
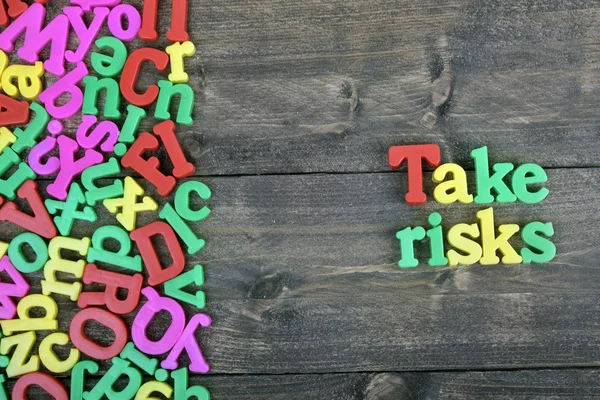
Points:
x=129 y=205
x=472 y=243
x=74 y=114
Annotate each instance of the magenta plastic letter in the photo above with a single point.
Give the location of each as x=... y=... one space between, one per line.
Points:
x=30 y=23
x=188 y=342
x=66 y=84
x=17 y=289
x=8 y=310
x=85 y=34
x=104 y=128
x=155 y=304
x=69 y=167
x=38 y=152
x=88 y=4
x=133 y=18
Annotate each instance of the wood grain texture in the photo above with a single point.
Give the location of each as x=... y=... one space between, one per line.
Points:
x=499 y=385
x=301 y=274
x=301 y=277
x=329 y=86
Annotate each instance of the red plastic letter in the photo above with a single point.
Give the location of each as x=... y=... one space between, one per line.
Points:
x=148 y=168
x=414 y=154
x=88 y=346
x=160 y=59
x=15 y=8
x=113 y=281
x=13 y=112
x=166 y=132
x=4 y=21
x=143 y=238
x=40 y=223
x=50 y=385
x=178 y=30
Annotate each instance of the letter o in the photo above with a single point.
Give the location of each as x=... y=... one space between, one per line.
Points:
x=88 y=346
x=48 y=383
x=20 y=262
x=115 y=22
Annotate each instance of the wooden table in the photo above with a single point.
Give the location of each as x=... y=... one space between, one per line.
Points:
x=296 y=106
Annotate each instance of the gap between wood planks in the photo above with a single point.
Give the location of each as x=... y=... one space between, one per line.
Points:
x=401 y=171
x=399 y=371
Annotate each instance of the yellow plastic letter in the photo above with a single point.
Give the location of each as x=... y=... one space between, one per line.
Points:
x=129 y=206
x=460 y=242
x=25 y=323
x=57 y=263
x=61 y=242
x=6 y=138
x=153 y=386
x=3 y=63
x=3 y=248
x=49 y=358
x=176 y=52
x=447 y=192
x=490 y=243
x=28 y=79
x=24 y=343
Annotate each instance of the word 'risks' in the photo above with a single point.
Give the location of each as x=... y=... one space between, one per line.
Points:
x=479 y=241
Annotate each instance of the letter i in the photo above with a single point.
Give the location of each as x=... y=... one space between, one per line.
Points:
x=436 y=241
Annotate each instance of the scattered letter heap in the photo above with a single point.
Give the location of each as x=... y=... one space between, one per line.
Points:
x=115 y=276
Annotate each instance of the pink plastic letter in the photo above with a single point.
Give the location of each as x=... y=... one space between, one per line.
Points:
x=87 y=5
x=104 y=128
x=38 y=152
x=85 y=34
x=8 y=310
x=188 y=342
x=155 y=304
x=133 y=18
x=66 y=84
x=30 y=23
x=17 y=289
x=69 y=167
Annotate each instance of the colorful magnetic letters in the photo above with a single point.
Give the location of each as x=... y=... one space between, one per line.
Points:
x=85 y=167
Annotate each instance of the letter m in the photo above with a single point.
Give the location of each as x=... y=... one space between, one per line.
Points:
x=31 y=23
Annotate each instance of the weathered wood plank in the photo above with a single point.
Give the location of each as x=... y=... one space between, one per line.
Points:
x=545 y=384
x=302 y=277
x=333 y=84
x=264 y=386
x=508 y=385
x=328 y=86
x=321 y=234
x=404 y=332
x=301 y=273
